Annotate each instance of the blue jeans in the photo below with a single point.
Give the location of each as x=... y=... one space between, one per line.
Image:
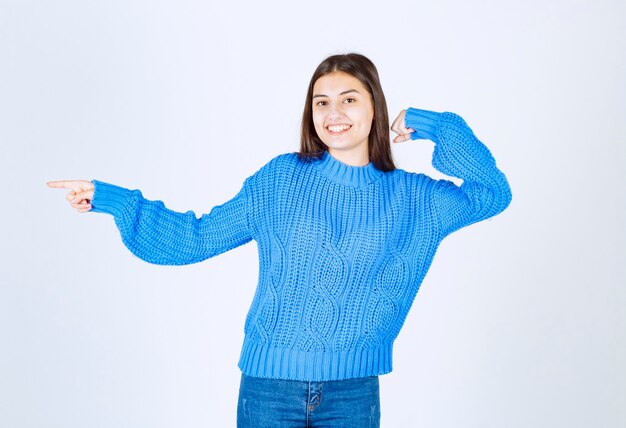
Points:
x=275 y=403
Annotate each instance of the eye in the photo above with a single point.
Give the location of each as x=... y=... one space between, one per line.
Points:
x=349 y=100
x=321 y=103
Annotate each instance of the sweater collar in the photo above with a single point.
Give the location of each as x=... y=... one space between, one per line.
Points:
x=340 y=172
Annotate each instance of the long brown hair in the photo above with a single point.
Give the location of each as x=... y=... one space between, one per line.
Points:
x=360 y=67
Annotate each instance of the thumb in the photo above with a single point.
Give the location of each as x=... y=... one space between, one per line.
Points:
x=401 y=138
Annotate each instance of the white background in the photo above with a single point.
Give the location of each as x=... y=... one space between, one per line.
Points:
x=521 y=321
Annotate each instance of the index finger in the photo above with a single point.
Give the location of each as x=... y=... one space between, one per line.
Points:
x=63 y=184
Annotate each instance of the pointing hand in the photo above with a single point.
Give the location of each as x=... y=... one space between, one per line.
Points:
x=80 y=194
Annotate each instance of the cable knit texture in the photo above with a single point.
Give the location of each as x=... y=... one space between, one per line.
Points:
x=342 y=249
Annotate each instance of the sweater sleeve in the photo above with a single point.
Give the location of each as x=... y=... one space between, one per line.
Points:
x=485 y=190
x=165 y=237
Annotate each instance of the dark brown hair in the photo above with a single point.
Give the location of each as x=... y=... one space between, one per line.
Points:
x=360 y=67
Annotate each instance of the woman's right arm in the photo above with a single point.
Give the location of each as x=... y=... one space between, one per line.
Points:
x=157 y=234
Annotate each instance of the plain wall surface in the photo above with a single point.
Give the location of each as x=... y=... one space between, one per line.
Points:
x=520 y=321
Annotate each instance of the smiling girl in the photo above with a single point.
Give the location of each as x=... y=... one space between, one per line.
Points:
x=344 y=238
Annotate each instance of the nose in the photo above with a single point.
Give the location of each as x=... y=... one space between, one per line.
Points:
x=335 y=110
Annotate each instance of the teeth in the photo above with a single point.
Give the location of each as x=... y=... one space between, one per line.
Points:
x=338 y=128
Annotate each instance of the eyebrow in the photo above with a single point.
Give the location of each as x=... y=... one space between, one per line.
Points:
x=343 y=93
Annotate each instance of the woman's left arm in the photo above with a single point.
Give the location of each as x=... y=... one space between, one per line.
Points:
x=485 y=191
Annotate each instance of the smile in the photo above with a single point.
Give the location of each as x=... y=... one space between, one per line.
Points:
x=338 y=129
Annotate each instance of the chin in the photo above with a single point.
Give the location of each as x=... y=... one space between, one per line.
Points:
x=339 y=144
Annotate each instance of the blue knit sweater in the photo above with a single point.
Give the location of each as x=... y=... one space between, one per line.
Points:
x=342 y=249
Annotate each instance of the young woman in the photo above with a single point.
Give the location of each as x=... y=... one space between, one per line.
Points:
x=344 y=242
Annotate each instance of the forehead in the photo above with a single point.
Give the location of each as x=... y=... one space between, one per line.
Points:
x=337 y=82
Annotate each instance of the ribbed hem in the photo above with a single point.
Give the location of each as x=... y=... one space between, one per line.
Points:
x=424 y=123
x=279 y=363
x=347 y=174
x=108 y=198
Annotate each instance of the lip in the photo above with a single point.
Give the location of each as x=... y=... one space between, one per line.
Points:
x=349 y=127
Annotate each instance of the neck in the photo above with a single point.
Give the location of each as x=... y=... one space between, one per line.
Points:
x=352 y=158
x=342 y=173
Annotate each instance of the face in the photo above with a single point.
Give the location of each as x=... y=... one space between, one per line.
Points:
x=342 y=115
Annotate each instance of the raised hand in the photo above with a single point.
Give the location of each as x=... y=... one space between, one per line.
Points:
x=398 y=126
x=80 y=194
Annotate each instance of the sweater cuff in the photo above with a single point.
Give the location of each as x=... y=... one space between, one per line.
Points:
x=108 y=198
x=424 y=123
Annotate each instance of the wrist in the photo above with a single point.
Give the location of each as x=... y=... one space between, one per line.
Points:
x=108 y=198
x=423 y=122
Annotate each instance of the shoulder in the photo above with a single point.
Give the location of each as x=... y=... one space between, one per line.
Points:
x=279 y=163
x=281 y=160
x=409 y=178
x=274 y=168
x=415 y=186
